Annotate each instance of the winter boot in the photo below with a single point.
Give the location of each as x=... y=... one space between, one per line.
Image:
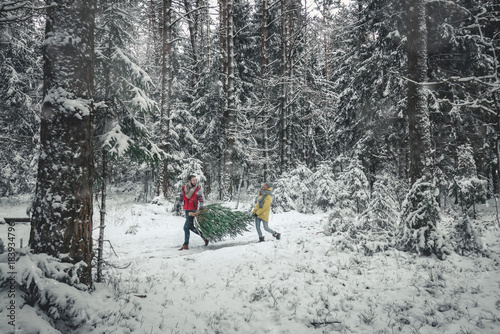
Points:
x=277 y=235
x=261 y=239
x=206 y=241
x=184 y=247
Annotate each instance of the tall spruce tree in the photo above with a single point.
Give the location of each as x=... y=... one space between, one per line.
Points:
x=122 y=87
x=20 y=96
x=463 y=64
x=247 y=92
x=166 y=90
x=367 y=64
x=418 y=113
x=420 y=215
x=61 y=223
x=229 y=108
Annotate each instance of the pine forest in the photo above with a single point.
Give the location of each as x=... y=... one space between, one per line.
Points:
x=379 y=119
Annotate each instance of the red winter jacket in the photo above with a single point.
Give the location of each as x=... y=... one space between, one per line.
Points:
x=191 y=204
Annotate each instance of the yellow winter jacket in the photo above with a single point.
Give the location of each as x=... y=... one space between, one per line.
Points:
x=263 y=213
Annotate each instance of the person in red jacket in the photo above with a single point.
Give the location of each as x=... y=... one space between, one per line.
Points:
x=192 y=197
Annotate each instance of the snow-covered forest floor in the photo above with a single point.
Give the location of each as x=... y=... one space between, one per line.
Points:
x=302 y=283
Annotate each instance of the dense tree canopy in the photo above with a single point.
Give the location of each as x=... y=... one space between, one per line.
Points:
x=246 y=91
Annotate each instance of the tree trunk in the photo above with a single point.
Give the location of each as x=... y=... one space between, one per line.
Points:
x=230 y=108
x=231 y=98
x=193 y=26
x=497 y=180
x=325 y=41
x=290 y=43
x=102 y=225
x=264 y=82
x=418 y=114
x=223 y=41
x=104 y=170
x=421 y=215
x=151 y=48
x=223 y=78
x=284 y=85
x=61 y=223
x=166 y=89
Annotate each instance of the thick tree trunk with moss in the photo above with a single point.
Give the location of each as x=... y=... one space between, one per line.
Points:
x=61 y=223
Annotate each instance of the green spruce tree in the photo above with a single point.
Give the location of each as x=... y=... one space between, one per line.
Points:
x=216 y=222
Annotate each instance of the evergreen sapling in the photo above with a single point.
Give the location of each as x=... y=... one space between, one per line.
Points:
x=469 y=190
x=216 y=222
x=419 y=221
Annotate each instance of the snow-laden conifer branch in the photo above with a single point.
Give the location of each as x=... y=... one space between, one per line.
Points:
x=6 y=7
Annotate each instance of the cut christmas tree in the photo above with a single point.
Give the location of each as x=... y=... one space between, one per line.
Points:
x=216 y=222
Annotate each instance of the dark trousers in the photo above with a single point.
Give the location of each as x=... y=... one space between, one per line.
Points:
x=189 y=226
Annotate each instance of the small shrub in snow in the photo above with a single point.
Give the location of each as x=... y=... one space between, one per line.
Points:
x=468 y=188
x=368 y=315
x=2 y=246
x=383 y=208
x=293 y=190
x=418 y=231
x=136 y=211
x=353 y=190
x=353 y=232
x=372 y=247
x=257 y=295
x=373 y=230
x=380 y=218
x=465 y=237
x=53 y=288
x=341 y=221
x=340 y=226
x=132 y=229
x=323 y=187
x=471 y=191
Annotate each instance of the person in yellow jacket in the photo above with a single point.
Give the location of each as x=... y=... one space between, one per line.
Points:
x=261 y=211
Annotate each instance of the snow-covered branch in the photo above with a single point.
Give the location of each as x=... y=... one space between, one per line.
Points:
x=471 y=104
x=495 y=85
x=17 y=11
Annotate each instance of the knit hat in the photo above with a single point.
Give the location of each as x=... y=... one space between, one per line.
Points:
x=269 y=184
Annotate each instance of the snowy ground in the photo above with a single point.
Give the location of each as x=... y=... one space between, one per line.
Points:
x=299 y=284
